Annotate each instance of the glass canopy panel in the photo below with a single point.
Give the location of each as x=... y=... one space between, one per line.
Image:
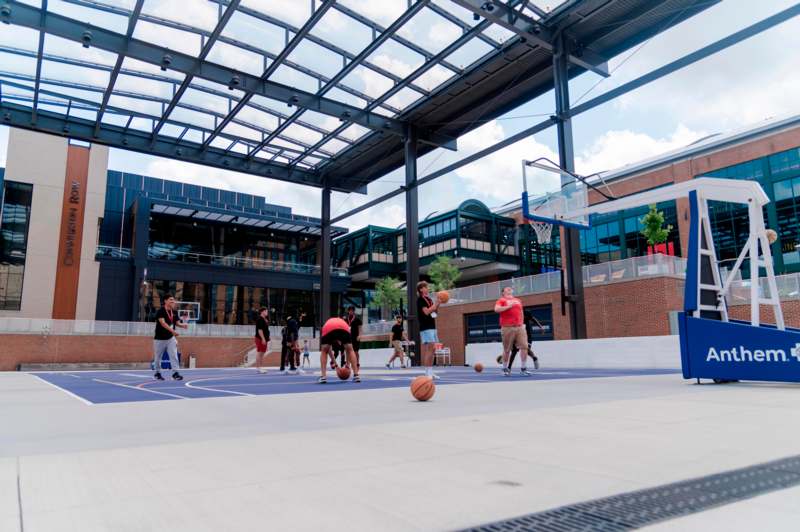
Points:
x=204 y=100
x=17 y=64
x=74 y=50
x=395 y=58
x=294 y=78
x=404 y=98
x=19 y=37
x=238 y=130
x=171 y=130
x=325 y=122
x=237 y=58
x=140 y=67
x=343 y=31
x=499 y=33
x=433 y=77
x=215 y=88
x=469 y=52
x=368 y=81
x=255 y=32
x=282 y=143
x=142 y=124
x=115 y=119
x=258 y=118
x=294 y=12
x=345 y=97
x=86 y=114
x=317 y=58
x=178 y=40
x=354 y=132
x=384 y=12
x=193 y=135
x=334 y=146
x=221 y=143
x=92 y=96
x=74 y=74
x=135 y=104
x=151 y=87
x=95 y=17
x=302 y=134
x=430 y=31
x=187 y=116
x=199 y=14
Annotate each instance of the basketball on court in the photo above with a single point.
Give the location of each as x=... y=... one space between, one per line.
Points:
x=478 y=367
x=443 y=296
x=343 y=373
x=423 y=388
x=772 y=236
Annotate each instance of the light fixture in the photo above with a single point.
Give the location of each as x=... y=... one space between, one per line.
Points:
x=234 y=82
x=293 y=101
x=488 y=7
x=86 y=38
x=5 y=14
x=166 y=61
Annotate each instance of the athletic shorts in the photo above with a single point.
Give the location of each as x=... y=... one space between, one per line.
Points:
x=398 y=346
x=429 y=336
x=336 y=335
x=261 y=347
x=514 y=336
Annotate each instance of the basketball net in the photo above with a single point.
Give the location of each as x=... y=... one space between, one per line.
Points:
x=543 y=230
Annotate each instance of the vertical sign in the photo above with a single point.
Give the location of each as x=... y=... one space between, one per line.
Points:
x=65 y=300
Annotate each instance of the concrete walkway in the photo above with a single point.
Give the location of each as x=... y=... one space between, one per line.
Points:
x=377 y=460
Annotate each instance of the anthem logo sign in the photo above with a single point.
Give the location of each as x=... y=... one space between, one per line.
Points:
x=742 y=354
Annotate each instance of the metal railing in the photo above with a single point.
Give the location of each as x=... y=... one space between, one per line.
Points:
x=593 y=275
x=788 y=289
x=113 y=252
x=129 y=328
x=234 y=261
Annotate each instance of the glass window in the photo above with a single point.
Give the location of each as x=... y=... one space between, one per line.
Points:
x=15 y=212
x=484 y=327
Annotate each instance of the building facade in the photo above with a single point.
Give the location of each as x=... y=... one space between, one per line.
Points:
x=78 y=241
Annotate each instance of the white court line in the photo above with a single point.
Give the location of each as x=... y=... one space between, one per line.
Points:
x=135 y=375
x=57 y=387
x=140 y=389
x=188 y=384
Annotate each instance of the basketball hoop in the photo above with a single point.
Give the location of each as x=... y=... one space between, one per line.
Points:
x=543 y=230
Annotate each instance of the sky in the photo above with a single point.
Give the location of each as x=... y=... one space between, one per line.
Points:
x=741 y=86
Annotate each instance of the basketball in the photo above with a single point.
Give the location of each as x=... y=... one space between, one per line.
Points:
x=478 y=367
x=343 y=373
x=772 y=236
x=422 y=388
x=443 y=296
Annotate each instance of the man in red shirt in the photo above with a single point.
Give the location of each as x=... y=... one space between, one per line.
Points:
x=512 y=328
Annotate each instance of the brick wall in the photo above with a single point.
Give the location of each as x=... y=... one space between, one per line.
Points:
x=632 y=308
x=791 y=313
x=47 y=349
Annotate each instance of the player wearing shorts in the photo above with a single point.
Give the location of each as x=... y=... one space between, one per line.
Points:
x=529 y=322
x=355 y=330
x=398 y=335
x=512 y=329
x=306 y=354
x=262 y=338
x=426 y=314
x=336 y=330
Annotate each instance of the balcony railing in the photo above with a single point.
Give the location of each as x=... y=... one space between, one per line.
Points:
x=593 y=275
x=113 y=252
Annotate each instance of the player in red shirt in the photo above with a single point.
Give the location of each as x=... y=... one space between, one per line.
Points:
x=512 y=328
x=336 y=330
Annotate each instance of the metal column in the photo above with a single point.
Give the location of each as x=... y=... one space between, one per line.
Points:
x=412 y=238
x=325 y=259
x=566 y=158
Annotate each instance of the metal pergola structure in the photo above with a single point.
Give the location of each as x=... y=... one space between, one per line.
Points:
x=327 y=93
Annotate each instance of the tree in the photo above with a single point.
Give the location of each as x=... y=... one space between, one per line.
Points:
x=443 y=273
x=388 y=295
x=653 y=227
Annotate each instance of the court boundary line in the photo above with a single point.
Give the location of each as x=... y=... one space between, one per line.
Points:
x=189 y=384
x=141 y=389
x=57 y=387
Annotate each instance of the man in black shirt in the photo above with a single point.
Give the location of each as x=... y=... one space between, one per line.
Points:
x=398 y=335
x=355 y=330
x=262 y=338
x=287 y=349
x=166 y=337
x=426 y=314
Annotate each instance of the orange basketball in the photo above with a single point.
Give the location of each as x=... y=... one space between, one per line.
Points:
x=343 y=373
x=423 y=388
x=478 y=367
x=443 y=296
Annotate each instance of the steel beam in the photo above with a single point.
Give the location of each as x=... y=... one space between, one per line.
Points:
x=325 y=258
x=412 y=238
x=566 y=157
x=38 y=67
x=532 y=32
x=67 y=28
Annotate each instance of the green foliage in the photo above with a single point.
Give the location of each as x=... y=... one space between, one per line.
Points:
x=388 y=294
x=443 y=273
x=653 y=226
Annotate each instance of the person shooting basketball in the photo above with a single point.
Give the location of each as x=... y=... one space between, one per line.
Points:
x=512 y=328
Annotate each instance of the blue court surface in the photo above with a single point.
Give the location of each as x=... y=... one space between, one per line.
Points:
x=94 y=387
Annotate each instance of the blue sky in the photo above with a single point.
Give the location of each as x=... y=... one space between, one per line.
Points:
x=746 y=84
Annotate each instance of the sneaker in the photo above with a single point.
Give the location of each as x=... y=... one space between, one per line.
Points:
x=323 y=380
x=535 y=362
x=525 y=373
x=499 y=359
x=262 y=370
x=284 y=372
x=356 y=378
x=388 y=366
x=158 y=376
x=435 y=377
x=506 y=372
x=177 y=376
x=300 y=371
